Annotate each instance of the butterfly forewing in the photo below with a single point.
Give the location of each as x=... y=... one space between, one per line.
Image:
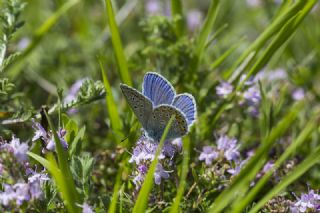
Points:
x=157 y=89
x=186 y=103
x=141 y=106
x=160 y=118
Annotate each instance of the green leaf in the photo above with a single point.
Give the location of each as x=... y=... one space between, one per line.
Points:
x=183 y=177
x=75 y=147
x=51 y=167
x=113 y=205
x=205 y=32
x=57 y=174
x=71 y=196
x=223 y=57
x=112 y=108
x=177 y=11
x=117 y=45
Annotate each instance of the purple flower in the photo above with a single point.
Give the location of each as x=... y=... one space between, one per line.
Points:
x=51 y=145
x=18 y=149
x=153 y=7
x=169 y=149
x=307 y=202
x=7 y=195
x=73 y=91
x=229 y=147
x=72 y=94
x=298 y=94
x=194 y=18
x=252 y=96
x=23 y=43
x=18 y=193
x=250 y=81
x=86 y=208
x=21 y=193
x=145 y=150
x=253 y=111
x=178 y=144
x=208 y=155
x=237 y=168
x=1 y=169
x=278 y=74
x=224 y=89
x=269 y=165
x=232 y=153
x=40 y=132
x=225 y=143
x=142 y=169
x=35 y=182
x=138 y=180
x=159 y=174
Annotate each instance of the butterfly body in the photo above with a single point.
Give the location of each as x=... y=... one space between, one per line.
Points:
x=157 y=103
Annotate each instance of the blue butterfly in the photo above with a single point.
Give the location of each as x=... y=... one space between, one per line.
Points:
x=157 y=103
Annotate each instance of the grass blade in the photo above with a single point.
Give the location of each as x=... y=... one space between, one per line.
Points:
x=177 y=10
x=310 y=161
x=184 y=172
x=205 y=32
x=284 y=35
x=272 y=29
x=223 y=57
x=243 y=178
x=62 y=183
x=113 y=205
x=306 y=132
x=117 y=45
x=112 y=108
x=50 y=166
x=68 y=187
x=142 y=200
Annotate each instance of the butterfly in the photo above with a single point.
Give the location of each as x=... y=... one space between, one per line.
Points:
x=157 y=103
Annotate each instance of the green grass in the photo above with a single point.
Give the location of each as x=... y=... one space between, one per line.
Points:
x=235 y=42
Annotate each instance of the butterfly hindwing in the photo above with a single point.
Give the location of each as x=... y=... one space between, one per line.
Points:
x=160 y=118
x=186 y=103
x=141 y=106
x=157 y=89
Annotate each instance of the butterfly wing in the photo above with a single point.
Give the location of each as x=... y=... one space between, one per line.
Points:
x=160 y=118
x=157 y=89
x=141 y=106
x=186 y=103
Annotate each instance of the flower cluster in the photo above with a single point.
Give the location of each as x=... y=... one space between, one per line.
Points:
x=222 y=161
x=21 y=184
x=226 y=147
x=224 y=89
x=250 y=97
x=144 y=153
x=309 y=202
x=22 y=192
x=47 y=136
x=18 y=149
